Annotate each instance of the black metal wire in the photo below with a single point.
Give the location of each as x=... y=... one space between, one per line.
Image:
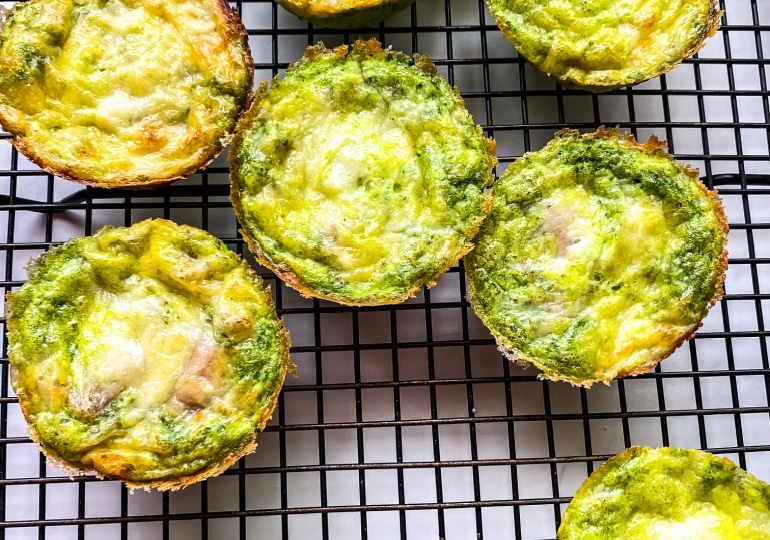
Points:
x=520 y=109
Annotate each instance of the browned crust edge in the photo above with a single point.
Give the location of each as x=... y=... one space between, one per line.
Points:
x=584 y=83
x=235 y=32
x=653 y=146
x=173 y=484
x=371 y=47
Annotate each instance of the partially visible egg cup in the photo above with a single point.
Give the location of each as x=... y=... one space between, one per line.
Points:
x=344 y=13
x=123 y=94
x=599 y=46
x=645 y=493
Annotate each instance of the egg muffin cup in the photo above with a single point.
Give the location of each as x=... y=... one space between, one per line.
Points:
x=150 y=354
x=599 y=46
x=668 y=492
x=599 y=258
x=359 y=177
x=344 y=13
x=123 y=93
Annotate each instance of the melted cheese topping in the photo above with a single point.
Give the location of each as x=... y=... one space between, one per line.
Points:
x=121 y=92
x=668 y=494
x=582 y=239
x=362 y=176
x=340 y=161
x=605 y=44
x=149 y=353
x=598 y=259
x=145 y=348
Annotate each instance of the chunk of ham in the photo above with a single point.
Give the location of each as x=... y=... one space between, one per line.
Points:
x=559 y=223
x=89 y=404
x=199 y=379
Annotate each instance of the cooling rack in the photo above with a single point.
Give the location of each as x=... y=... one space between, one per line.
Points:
x=404 y=421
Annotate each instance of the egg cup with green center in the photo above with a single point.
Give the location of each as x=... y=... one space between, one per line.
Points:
x=599 y=258
x=150 y=354
x=360 y=177
x=122 y=93
x=668 y=494
x=601 y=45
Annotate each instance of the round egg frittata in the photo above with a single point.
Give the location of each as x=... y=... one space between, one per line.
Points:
x=121 y=93
x=668 y=494
x=360 y=177
x=601 y=45
x=600 y=256
x=150 y=354
x=344 y=13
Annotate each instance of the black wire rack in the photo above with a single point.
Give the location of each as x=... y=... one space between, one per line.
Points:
x=405 y=421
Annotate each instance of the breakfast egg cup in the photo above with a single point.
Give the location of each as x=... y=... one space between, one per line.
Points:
x=668 y=493
x=150 y=354
x=122 y=93
x=344 y=13
x=599 y=46
x=360 y=177
x=599 y=258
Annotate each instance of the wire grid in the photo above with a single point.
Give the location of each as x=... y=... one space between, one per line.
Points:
x=405 y=421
